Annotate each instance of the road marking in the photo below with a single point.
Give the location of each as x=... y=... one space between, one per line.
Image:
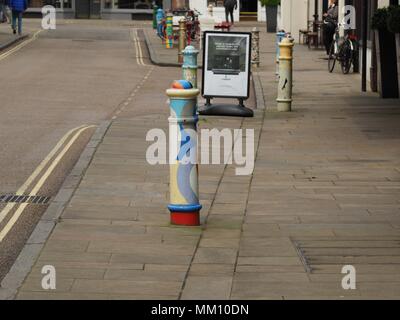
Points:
x=20 y=46
x=138 y=47
x=40 y=183
x=37 y=171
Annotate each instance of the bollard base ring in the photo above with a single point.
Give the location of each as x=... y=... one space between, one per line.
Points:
x=185 y=218
x=185 y=215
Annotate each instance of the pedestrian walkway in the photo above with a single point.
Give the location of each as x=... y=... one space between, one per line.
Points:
x=324 y=193
x=7 y=38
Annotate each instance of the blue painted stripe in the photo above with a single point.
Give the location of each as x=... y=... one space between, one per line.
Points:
x=184 y=207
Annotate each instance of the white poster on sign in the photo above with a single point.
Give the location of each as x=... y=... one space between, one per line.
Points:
x=226 y=60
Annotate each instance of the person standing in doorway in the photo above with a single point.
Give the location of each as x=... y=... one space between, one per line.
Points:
x=230 y=5
x=330 y=24
x=17 y=7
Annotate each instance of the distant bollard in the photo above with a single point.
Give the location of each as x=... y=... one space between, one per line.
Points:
x=284 y=99
x=279 y=36
x=169 y=41
x=210 y=10
x=160 y=17
x=155 y=9
x=255 y=47
x=184 y=187
x=189 y=67
x=182 y=39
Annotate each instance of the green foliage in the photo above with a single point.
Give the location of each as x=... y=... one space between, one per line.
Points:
x=379 y=19
x=393 y=21
x=270 y=3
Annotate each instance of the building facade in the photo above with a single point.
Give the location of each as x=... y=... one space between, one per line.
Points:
x=96 y=9
x=247 y=9
x=140 y=9
x=296 y=15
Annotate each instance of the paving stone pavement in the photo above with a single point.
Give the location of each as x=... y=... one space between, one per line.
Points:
x=7 y=38
x=324 y=193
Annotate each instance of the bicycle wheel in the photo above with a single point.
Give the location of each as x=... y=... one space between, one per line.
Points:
x=332 y=58
x=347 y=55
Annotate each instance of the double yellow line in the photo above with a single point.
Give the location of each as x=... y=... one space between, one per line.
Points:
x=20 y=46
x=71 y=136
x=138 y=47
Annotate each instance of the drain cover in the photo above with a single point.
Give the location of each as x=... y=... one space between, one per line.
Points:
x=317 y=253
x=15 y=198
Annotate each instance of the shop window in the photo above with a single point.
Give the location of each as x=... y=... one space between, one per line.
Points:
x=216 y=3
x=55 y=3
x=133 y=4
x=67 y=4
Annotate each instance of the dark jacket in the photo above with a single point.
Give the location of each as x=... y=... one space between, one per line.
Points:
x=230 y=4
x=332 y=14
x=19 y=5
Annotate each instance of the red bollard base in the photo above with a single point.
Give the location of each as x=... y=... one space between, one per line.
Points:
x=185 y=218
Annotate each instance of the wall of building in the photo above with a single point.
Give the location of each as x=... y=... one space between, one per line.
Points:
x=219 y=12
x=261 y=14
x=295 y=16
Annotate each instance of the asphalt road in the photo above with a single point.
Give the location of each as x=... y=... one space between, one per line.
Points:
x=75 y=75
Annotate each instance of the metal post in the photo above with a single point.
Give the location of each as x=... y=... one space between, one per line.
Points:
x=182 y=39
x=285 y=75
x=169 y=41
x=189 y=67
x=279 y=36
x=364 y=46
x=155 y=9
x=184 y=190
x=255 y=47
x=316 y=10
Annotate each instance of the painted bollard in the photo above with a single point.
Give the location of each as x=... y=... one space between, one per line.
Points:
x=184 y=190
x=155 y=10
x=279 y=36
x=160 y=17
x=285 y=75
x=255 y=47
x=169 y=41
x=182 y=39
x=189 y=67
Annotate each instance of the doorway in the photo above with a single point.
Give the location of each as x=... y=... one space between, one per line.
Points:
x=248 y=9
x=88 y=9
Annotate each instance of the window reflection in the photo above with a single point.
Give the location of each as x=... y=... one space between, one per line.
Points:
x=55 y=3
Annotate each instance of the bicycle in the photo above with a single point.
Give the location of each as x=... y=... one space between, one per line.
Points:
x=342 y=51
x=192 y=26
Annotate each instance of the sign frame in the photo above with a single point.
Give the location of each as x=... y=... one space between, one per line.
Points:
x=205 y=63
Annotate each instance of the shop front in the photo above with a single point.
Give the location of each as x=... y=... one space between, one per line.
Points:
x=96 y=9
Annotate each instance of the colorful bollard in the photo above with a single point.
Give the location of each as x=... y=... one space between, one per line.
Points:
x=279 y=36
x=182 y=39
x=155 y=10
x=184 y=190
x=169 y=41
x=255 y=47
x=285 y=85
x=160 y=17
x=189 y=67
